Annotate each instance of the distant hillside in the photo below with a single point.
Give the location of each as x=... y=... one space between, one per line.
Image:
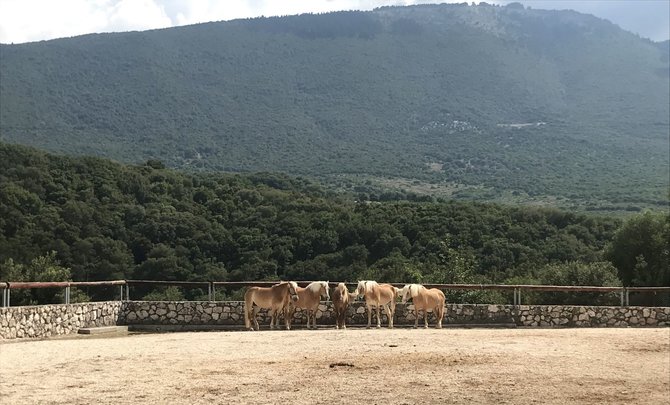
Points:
x=485 y=102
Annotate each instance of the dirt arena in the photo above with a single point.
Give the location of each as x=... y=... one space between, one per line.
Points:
x=400 y=366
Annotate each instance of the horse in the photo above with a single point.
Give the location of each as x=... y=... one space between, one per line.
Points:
x=424 y=300
x=275 y=298
x=378 y=295
x=309 y=298
x=341 y=298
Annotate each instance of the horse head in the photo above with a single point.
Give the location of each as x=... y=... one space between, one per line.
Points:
x=325 y=291
x=409 y=291
x=292 y=290
x=405 y=293
x=361 y=289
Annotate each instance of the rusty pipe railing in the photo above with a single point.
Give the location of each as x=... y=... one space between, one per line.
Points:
x=211 y=287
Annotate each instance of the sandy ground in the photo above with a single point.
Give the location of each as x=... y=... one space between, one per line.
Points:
x=401 y=366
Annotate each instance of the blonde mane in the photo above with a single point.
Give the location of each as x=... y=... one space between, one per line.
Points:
x=368 y=285
x=315 y=287
x=414 y=290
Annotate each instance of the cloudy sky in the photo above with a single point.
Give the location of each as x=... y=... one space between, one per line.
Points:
x=34 y=20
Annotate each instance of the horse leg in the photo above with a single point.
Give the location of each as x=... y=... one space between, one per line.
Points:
x=425 y=318
x=272 y=314
x=255 y=318
x=249 y=319
x=416 y=317
x=288 y=317
x=379 y=320
x=248 y=306
x=392 y=314
x=389 y=314
x=369 y=307
x=440 y=314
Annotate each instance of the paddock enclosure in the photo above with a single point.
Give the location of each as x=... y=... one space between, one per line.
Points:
x=328 y=366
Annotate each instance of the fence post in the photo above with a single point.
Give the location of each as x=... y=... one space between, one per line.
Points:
x=515 y=302
x=622 y=296
x=4 y=297
x=67 y=294
x=127 y=292
x=121 y=291
x=627 y=297
x=209 y=291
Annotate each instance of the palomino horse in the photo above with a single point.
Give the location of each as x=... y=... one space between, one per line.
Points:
x=275 y=298
x=424 y=300
x=378 y=295
x=341 y=298
x=309 y=298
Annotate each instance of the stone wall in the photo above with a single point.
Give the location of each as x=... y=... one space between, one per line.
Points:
x=50 y=320
x=231 y=313
x=42 y=321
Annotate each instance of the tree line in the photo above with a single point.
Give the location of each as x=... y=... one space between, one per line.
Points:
x=90 y=219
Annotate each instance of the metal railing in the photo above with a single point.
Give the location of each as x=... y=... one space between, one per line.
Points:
x=124 y=285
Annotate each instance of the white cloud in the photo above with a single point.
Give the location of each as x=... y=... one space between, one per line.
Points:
x=33 y=20
x=136 y=15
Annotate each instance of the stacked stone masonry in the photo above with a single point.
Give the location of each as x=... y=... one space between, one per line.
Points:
x=50 y=320
x=232 y=313
x=42 y=321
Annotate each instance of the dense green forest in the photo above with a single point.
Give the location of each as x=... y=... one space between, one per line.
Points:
x=467 y=102
x=93 y=219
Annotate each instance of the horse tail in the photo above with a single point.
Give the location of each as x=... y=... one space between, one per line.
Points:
x=248 y=308
x=442 y=305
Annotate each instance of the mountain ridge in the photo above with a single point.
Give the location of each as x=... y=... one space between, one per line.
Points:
x=389 y=93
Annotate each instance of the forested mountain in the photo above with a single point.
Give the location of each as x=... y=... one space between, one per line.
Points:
x=478 y=102
x=109 y=221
